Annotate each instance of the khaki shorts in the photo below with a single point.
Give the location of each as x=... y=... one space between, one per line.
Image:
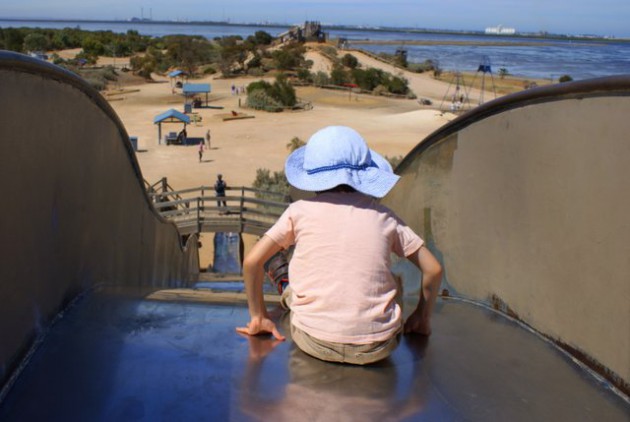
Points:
x=357 y=354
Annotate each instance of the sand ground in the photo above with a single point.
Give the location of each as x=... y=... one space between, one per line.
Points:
x=238 y=147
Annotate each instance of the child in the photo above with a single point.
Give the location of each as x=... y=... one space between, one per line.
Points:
x=341 y=293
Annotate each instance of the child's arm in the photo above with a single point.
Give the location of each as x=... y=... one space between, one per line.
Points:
x=420 y=320
x=253 y=274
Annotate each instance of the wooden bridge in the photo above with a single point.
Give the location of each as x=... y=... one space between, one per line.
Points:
x=198 y=209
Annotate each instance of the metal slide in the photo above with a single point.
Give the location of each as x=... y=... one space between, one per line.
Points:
x=122 y=355
x=89 y=344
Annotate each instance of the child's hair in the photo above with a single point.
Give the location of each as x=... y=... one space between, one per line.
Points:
x=340 y=188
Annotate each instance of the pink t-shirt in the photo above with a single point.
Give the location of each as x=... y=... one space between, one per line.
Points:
x=342 y=287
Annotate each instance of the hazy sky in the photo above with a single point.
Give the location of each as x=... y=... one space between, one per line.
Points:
x=602 y=17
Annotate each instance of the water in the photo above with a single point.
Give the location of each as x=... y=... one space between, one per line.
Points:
x=542 y=59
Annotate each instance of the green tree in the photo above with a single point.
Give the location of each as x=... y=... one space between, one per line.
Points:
x=503 y=72
x=36 y=42
x=67 y=38
x=232 y=51
x=12 y=39
x=262 y=38
x=92 y=46
x=143 y=65
x=187 y=52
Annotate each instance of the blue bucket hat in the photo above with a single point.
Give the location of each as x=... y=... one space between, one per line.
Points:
x=338 y=155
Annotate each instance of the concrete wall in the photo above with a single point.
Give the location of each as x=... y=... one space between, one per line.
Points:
x=75 y=213
x=526 y=201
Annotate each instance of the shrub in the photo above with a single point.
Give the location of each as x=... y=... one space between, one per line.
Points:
x=330 y=51
x=380 y=90
x=96 y=83
x=426 y=66
x=260 y=100
x=350 y=61
x=143 y=66
x=266 y=96
x=259 y=38
x=92 y=46
x=289 y=57
x=565 y=78
x=89 y=58
x=256 y=71
x=283 y=91
x=305 y=75
x=368 y=79
x=276 y=182
x=255 y=61
x=339 y=76
x=263 y=85
x=109 y=73
x=209 y=70
x=35 y=42
x=396 y=84
x=321 y=78
x=295 y=143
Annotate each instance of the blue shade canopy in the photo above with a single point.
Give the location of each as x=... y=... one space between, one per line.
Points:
x=191 y=89
x=171 y=116
x=176 y=73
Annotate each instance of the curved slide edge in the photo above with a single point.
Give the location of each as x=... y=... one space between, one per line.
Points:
x=76 y=214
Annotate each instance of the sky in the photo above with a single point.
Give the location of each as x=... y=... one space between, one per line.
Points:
x=601 y=17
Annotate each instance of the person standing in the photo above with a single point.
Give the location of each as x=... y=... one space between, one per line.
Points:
x=201 y=148
x=219 y=189
x=208 y=138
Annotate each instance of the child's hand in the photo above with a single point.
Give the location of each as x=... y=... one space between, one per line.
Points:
x=260 y=325
x=260 y=347
x=418 y=323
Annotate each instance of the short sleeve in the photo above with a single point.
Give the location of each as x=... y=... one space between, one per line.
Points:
x=406 y=241
x=282 y=231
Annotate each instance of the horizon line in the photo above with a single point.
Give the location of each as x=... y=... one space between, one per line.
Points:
x=137 y=20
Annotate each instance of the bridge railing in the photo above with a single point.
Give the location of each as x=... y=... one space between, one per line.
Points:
x=243 y=209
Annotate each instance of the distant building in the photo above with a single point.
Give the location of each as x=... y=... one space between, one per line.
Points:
x=500 y=30
x=310 y=31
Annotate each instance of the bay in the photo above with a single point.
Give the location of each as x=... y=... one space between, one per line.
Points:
x=534 y=58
